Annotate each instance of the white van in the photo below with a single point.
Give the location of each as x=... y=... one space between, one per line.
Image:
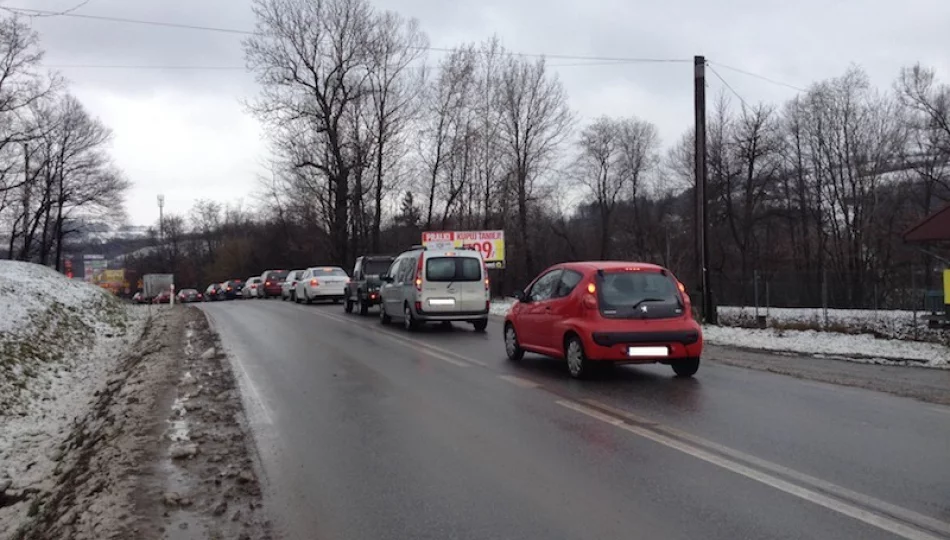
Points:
x=436 y=286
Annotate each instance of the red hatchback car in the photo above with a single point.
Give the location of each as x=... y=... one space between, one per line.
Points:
x=611 y=312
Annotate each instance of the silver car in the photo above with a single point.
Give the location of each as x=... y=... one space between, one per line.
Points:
x=436 y=286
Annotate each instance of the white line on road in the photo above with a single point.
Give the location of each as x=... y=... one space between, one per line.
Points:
x=828 y=487
x=243 y=378
x=866 y=516
x=518 y=381
x=434 y=352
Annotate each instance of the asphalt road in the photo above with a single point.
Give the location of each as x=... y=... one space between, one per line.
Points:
x=368 y=432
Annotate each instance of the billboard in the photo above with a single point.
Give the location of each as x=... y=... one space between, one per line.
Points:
x=92 y=265
x=491 y=244
x=114 y=280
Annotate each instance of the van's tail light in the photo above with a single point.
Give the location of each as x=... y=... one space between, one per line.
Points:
x=314 y=283
x=485 y=273
x=419 y=274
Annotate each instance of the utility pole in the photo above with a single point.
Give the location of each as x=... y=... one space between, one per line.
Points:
x=161 y=219
x=702 y=221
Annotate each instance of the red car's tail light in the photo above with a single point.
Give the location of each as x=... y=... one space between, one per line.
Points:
x=591 y=288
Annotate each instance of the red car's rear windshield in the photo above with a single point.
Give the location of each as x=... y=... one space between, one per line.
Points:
x=638 y=293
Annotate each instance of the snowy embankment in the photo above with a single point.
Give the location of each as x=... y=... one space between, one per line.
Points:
x=891 y=324
x=59 y=339
x=852 y=345
x=856 y=347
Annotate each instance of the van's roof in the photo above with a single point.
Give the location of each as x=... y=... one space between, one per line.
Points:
x=452 y=253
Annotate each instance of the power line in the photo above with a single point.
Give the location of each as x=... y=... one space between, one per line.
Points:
x=757 y=76
x=68 y=13
x=241 y=68
x=723 y=81
x=44 y=12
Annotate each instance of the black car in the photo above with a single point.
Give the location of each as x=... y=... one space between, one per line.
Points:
x=363 y=289
x=231 y=289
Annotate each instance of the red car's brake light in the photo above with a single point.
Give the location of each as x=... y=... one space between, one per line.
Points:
x=590 y=299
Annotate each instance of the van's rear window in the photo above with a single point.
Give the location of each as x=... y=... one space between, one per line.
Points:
x=453 y=269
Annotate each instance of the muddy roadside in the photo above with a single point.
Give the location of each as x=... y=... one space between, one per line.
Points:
x=164 y=453
x=925 y=384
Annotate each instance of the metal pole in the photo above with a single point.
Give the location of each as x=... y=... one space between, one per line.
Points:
x=824 y=294
x=755 y=293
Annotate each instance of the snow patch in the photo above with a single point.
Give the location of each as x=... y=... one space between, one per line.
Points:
x=59 y=341
x=892 y=324
x=499 y=306
x=855 y=347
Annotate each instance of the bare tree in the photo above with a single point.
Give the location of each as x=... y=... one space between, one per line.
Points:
x=535 y=120
x=313 y=61
x=445 y=120
x=396 y=80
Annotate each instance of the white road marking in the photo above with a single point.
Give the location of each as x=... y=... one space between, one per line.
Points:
x=860 y=514
x=518 y=381
x=414 y=345
x=243 y=378
x=828 y=487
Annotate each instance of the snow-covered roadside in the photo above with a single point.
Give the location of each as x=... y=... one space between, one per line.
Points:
x=499 y=306
x=891 y=324
x=855 y=347
x=59 y=340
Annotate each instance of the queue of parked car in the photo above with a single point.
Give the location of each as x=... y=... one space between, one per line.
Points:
x=589 y=314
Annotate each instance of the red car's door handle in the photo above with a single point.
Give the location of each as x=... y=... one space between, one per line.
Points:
x=547 y=308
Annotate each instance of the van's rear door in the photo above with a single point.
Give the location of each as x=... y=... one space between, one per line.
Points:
x=441 y=291
x=472 y=284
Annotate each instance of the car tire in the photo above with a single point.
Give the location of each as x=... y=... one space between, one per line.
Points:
x=577 y=363
x=362 y=306
x=408 y=321
x=383 y=317
x=348 y=305
x=512 y=347
x=480 y=325
x=686 y=368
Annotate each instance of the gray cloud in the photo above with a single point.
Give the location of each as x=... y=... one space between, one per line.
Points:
x=796 y=42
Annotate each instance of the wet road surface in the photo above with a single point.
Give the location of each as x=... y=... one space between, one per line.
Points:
x=367 y=431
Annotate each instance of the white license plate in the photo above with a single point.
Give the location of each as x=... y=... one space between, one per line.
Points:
x=648 y=351
x=442 y=302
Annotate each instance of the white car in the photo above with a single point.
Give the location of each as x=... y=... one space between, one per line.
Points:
x=322 y=283
x=252 y=288
x=288 y=288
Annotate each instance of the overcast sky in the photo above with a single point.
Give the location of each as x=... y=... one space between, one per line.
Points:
x=184 y=133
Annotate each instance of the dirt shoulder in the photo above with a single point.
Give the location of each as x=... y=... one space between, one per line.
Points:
x=164 y=451
x=925 y=384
